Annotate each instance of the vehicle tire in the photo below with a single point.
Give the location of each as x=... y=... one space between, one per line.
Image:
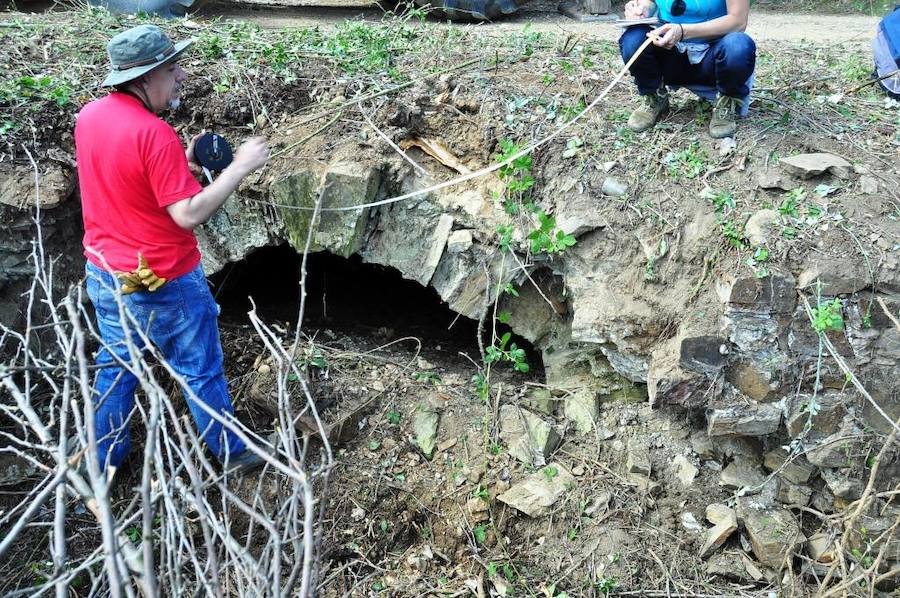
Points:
x=471 y=10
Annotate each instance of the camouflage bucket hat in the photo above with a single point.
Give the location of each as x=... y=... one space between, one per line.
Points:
x=137 y=51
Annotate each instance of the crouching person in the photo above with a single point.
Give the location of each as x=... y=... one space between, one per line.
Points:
x=701 y=45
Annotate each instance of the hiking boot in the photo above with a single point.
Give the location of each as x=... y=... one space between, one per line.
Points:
x=723 y=122
x=244 y=462
x=655 y=105
x=247 y=461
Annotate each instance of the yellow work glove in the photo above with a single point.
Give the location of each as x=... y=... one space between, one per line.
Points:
x=141 y=278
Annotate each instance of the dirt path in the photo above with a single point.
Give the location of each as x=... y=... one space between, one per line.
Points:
x=542 y=16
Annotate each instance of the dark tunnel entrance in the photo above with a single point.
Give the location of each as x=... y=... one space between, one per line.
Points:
x=346 y=295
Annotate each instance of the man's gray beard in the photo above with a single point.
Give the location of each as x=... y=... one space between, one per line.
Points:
x=174 y=104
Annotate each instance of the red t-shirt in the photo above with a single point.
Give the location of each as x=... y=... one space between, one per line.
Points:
x=131 y=165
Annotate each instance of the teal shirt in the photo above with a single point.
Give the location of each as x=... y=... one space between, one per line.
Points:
x=698 y=11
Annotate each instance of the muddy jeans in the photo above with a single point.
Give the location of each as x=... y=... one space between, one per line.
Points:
x=727 y=64
x=180 y=320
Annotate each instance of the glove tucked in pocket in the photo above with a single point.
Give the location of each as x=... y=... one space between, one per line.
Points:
x=141 y=278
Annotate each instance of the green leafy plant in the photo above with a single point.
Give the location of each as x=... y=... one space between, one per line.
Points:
x=480 y=533
x=503 y=350
x=550 y=472
x=828 y=316
x=547 y=238
x=688 y=163
x=393 y=417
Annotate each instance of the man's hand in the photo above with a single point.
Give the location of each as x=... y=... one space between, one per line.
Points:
x=666 y=36
x=192 y=164
x=251 y=155
x=639 y=9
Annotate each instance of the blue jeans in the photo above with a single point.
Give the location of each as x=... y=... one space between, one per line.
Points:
x=727 y=65
x=180 y=320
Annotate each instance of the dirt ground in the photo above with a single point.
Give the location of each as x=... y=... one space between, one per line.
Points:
x=401 y=524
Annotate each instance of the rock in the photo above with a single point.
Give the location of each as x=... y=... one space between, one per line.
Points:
x=868 y=185
x=537 y=493
x=459 y=241
x=793 y=494
x=345 y=184
x=807 y=166
x=728 y=565
x=741 y=474
x=613 y=187
x=838 y=275
x=690 y=523
x=638 y=460
x=357 y=514
x=750 y=419
x=539 y=399
x=821 y=547
x=582 y=408
x=717 y=513
x=446 y=445
x=17 y=185
x=842 y=485
x=670 y=384
x=644 y=484
x=776 y=293
x=798 y=470
x=703 y=446
x=773 y=179
x=425 y=426
x=530 y=439
x=830 y=412
x=840 y=449
x=760 y=378
x=725 y=524
x=760 y=227
x=704 y=354
x=14 y=469
x=685 y=471
x=461 y=281
x=774 y=534
x=533 y=317
x=416 y=256
x=478 y=508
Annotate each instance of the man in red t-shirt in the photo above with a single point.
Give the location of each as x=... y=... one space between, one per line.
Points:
x=141 y=203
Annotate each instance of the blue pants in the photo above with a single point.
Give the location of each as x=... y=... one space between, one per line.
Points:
x=180 y=320
x=726 y=66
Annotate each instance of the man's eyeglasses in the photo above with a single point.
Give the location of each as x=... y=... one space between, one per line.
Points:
x=678 y=7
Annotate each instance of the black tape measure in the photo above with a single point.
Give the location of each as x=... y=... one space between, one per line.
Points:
x=212 y=152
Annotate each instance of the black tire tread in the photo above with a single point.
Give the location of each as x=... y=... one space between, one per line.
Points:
x=471 y=10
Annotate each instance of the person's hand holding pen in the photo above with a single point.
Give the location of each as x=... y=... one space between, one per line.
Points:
x=667 y=35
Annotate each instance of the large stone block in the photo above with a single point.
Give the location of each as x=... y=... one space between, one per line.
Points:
x=796 y=470
x=824 y=413
x=343 y=185
x=836 y=275
x=841 y=449
x=460 y=279
x=774 y=533
x=233 y=232
x=743 y=419
x=776 y=293
x=704 y=354
x=415 y=255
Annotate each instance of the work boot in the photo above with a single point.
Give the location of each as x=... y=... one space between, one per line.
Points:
x=724 y=117
x=655 y=105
